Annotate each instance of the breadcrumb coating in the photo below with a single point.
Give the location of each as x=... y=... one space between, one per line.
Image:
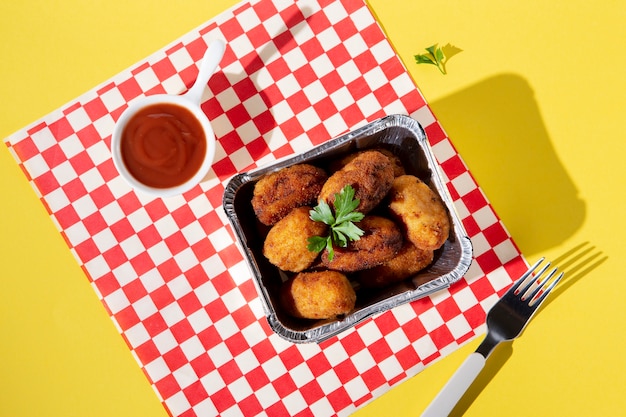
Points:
x=406 y=263
x=318 y=295
x=381 y=241
x=421 y=212
x=370 y=173
x=286 y=243
x=276 y=194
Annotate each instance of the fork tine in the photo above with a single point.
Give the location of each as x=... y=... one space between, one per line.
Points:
x=515 y=288
x=540 y=283
x=545 y=293
x=530 y=279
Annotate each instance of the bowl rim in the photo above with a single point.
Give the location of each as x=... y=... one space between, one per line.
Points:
x=146 y=101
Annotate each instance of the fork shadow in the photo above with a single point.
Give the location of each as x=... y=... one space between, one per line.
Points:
x=575 y=266
x=576 y=263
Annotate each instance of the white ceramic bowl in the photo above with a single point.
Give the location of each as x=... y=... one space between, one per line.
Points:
x=190 y=101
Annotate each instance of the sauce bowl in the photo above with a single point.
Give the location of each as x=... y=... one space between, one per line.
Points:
x=153 y=147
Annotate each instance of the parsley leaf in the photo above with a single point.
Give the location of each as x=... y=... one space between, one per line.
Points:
x=341 y=222
x=435 y=56
x=322 y=213
x=318 y=243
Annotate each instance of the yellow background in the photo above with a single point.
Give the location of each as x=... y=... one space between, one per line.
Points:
x=534 y=102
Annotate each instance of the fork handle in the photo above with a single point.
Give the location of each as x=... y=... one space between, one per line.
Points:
x=454 y=389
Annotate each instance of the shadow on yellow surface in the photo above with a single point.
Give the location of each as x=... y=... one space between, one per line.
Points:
x=576 y=263
x=497 y=127
x=449 y=51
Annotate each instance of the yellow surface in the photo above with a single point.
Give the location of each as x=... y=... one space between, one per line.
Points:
x=540 y=84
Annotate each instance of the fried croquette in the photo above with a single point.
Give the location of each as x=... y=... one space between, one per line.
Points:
x=276 y=194
x=370 y=173
x=381 y=241
x=409 y=260
x=421 y=212
x=286 y=243
x=318 y=295
x=396 y=163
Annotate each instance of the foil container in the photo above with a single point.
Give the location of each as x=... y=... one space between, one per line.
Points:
x=404 y=137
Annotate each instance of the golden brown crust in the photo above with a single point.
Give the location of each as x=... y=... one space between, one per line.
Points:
x=276 y=194
x=286 y=243
x=421 y=211
x=400 y=236
x=381 y=241
x=409 y=260
x=318 y=295
x=370 y=173
x=396 y=163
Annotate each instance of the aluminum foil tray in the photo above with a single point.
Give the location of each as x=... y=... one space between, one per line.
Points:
x=404 y=137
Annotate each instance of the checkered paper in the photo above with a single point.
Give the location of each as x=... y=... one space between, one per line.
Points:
x=168 y=271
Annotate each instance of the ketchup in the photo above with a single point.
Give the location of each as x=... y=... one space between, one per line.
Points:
x=163 y=145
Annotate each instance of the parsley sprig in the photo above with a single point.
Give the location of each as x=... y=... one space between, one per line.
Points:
x=438 y=56
x=341 y=222
x=435 y=56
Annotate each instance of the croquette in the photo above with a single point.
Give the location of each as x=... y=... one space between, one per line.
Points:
x=409 y=260
x=404 y=223
x=370 y=173
x=381 y=241
x=276 y=194
x=421 y=212
x=396 y=162
x=318 y=295
x=286 y=243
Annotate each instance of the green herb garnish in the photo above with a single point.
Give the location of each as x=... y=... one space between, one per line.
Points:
x=435 y=56
x=341 y=222
x=438 y=56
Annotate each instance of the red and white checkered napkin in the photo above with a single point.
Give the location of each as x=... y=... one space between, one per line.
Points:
x=295 y=74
